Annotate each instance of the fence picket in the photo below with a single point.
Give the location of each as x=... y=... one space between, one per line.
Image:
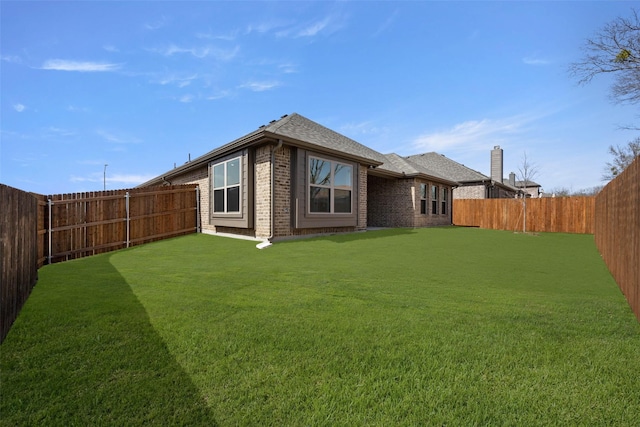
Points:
x=555 y=215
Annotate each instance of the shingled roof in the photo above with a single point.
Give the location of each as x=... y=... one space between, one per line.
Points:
x=447 y=167
x=402 y=166
x=308 y=132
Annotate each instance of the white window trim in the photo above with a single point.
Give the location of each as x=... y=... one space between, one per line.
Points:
x=225 y=187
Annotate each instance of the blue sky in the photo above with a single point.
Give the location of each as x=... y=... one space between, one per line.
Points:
x=142 y=85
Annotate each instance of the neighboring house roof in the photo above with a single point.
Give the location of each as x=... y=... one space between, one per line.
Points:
x=530 y=184
x=455 y=171
x=402 y=166
x=294 y=129
x=447 y=167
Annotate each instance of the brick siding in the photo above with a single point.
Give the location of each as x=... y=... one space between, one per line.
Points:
x=396 y=203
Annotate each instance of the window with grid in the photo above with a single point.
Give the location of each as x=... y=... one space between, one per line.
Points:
x=227 y=197
x=423 y=199
x=443 y=201
x=434 y=199
x=330 y=186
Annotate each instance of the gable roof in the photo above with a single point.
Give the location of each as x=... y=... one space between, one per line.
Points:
x=294 y=129
x=399 y=165
x=447 y=167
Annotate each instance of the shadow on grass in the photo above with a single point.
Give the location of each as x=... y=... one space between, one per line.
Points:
x=83 y=352
x=370 y=234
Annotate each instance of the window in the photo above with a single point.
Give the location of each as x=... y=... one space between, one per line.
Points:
x=423 y=199
x=226 y=186
x=434 y=199
x=330 y=186
x=443 y=201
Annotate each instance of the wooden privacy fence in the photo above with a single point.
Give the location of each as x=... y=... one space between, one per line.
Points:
x=553 y=214
x=18 y=252
x=617 y=232
x=82 y=224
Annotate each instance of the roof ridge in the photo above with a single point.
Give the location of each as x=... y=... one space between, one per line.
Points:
x=276 y=124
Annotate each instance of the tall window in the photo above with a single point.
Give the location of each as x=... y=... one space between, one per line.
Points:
x=443 y=200
x=226 y=186
x=423 y=199
x=434 y=199
x=330 y=186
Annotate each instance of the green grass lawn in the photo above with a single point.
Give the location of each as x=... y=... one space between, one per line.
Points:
x=395 y=327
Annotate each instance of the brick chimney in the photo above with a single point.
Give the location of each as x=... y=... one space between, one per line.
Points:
x=496 y=164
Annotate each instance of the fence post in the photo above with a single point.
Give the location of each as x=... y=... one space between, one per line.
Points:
x=126 y=198
x=50 y=231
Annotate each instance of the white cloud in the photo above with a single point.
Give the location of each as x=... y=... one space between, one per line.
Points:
x=314 y=28
x=81 y=66
x=110 y=48
x=113 y=180
x=186 y=98
x=472 y=134
x=210 y=36
x=200 y=52
x=55 y=132
x=264 y=27
x=387 y=23
x=256 y=86
x=129 y=179
x=288 y=68
x=19 y=107
x=157 y=24
x=535 y=60
x=325 y=26
x=220 y=95
x=180 y=81
x=362 y=128
x=11 y=58
x=75 y=109
x=117 y=139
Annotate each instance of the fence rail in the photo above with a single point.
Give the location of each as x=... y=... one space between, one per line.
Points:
x=554 y=214
x=18 y=252
x=617 y=232
x=82 y=224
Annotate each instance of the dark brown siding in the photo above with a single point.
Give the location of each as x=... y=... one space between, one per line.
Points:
x=18 y=252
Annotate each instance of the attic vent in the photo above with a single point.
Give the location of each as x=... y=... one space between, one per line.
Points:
x=262 y=126
x=284 y=116
x=272 y=121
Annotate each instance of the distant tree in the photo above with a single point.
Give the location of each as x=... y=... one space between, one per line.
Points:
x=622 y=157
x=593 y=191
x=560 y=192
x=615 y=50
x=567 y=192
x=527 y=171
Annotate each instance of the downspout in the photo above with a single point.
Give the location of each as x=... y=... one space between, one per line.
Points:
x=273 y=187
x=267 y=242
